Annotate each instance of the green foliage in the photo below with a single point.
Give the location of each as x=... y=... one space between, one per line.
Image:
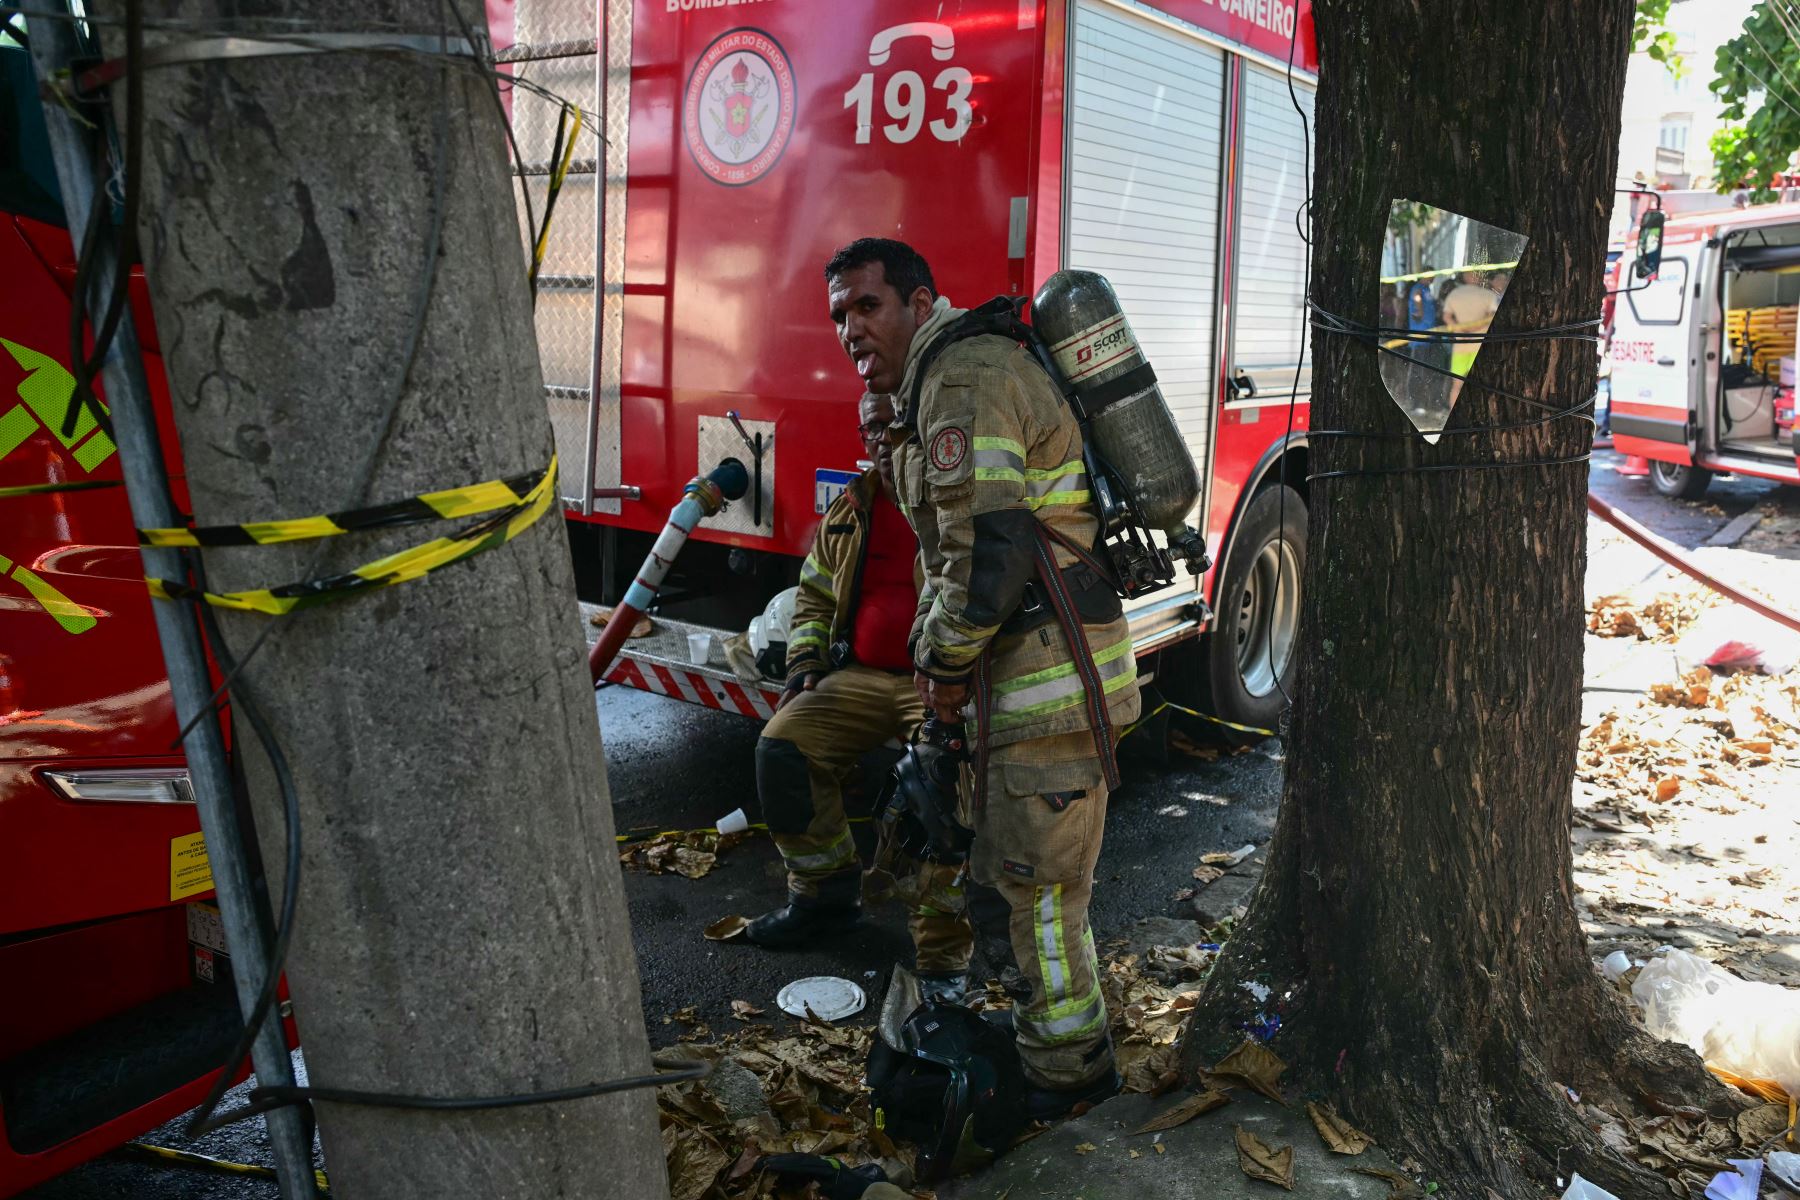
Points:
x=1758 y=82
x=1649 y=34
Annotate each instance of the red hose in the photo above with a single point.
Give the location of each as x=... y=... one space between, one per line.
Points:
x=1673 y=555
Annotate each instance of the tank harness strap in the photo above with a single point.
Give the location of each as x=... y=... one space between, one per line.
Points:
x=984 y=711
x=1075 y=633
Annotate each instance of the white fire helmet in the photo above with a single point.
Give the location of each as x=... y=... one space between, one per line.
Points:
x=772 y=625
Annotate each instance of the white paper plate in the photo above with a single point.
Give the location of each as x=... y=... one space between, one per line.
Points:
x=829 y=998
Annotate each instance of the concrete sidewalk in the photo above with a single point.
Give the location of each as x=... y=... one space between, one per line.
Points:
x=1200 y=1159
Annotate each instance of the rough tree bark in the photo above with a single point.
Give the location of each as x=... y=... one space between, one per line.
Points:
x=1416 y=921
x=461 y=926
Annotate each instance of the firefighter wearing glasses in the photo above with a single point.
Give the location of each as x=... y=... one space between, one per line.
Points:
x=989 y=470
x=850 y=690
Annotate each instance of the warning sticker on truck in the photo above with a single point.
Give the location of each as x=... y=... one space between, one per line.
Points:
x=189 y=871
x=828 y=486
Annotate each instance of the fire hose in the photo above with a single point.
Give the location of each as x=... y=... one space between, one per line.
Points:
x=1673 y=555
x=703 y=497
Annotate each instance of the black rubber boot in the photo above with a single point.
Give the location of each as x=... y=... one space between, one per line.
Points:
x=1051 y=1104
x=802 y=920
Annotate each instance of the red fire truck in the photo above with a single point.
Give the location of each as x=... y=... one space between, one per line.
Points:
x=743 y=141
x=116 y=1007
x=681 y=311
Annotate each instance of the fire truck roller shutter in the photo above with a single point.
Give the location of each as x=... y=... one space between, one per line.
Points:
x=1144 y=180
x=1269 y=326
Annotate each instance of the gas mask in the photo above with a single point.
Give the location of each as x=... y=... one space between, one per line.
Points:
x=921 y=799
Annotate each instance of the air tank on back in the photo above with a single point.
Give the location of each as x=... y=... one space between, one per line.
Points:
x=1078 y=316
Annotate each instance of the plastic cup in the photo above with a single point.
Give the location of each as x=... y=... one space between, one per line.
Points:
x=699 y=648
x=733 y=822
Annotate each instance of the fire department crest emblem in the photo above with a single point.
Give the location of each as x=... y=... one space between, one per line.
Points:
x=738 y=112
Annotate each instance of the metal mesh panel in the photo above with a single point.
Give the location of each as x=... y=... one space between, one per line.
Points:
x=607 y=433
x=555 y=49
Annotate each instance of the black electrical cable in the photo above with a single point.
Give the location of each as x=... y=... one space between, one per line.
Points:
x=202 y=1121
x=1419 y=470
x=1303 y=226
x=87 y=365
x=8 y=29
x=414 y=334
x=263 y=1099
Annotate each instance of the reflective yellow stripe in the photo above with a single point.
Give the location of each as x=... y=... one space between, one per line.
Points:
x=814 y=575
x=70 y=615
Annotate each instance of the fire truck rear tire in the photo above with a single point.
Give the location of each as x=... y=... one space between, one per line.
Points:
x=1684 y=482
x=1250 y=652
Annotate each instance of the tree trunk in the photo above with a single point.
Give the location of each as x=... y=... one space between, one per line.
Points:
x=462 y=927
x=1416 y=922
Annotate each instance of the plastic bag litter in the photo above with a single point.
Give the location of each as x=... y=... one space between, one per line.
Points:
x=1740 y=1184
x=1750 y=1029
x=1581 y=1189
x=1731 y=638
x=1785 y=1165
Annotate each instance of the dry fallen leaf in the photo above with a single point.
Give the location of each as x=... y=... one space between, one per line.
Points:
x=743 y=1010
x=1086 y=1148
x=1184 y=1111
x=639 y=629
x=1217 y=858
x=1401 y=1187
x=726 y=928
x=1134 y=1154
x=1255 y=1066
x=695 y=1162
x=1206 y=874
x=1339 y=1136
x=1259 y=1160
x=1666 y=787
x=1161 y=1149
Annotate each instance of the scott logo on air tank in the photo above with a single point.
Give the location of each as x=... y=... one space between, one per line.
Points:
x=738 y=112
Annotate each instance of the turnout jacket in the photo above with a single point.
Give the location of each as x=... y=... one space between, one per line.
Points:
x=825 y=605
x=992 y=449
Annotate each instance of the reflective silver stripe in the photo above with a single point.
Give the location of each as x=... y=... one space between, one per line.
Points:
x=1064 y=1028
x=1054 y=688
x=1004 y=459
x=837 y=854
x=1074 y=481
x=814 y=576
x=1049 y=927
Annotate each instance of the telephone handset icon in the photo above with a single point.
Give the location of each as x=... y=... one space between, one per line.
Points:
x=943 y=40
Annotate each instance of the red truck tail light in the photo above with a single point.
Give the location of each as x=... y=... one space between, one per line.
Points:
x=138 y=785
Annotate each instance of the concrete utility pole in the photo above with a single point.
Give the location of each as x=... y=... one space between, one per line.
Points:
x=462 y=927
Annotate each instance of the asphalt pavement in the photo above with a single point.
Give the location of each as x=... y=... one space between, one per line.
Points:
x=676 y=766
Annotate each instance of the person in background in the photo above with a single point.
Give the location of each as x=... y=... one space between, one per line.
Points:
x=1468 y=310
x=850 y=690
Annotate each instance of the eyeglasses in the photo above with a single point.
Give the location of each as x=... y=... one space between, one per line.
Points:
x=873 y=431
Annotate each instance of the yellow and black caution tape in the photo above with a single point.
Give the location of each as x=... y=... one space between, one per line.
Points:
x=1196 y=713
x=399 y=567
x=40 y=489
x=1417 y=275
x=471 y=501
x=188 y=1158
x=571 y=115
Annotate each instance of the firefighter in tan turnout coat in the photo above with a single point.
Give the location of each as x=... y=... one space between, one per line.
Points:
x=985 y=459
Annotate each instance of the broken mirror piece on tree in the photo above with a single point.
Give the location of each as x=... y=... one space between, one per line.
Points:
x=1443 y=278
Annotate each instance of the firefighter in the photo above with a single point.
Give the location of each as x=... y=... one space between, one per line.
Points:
x=850 y=690
x=988 y=465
